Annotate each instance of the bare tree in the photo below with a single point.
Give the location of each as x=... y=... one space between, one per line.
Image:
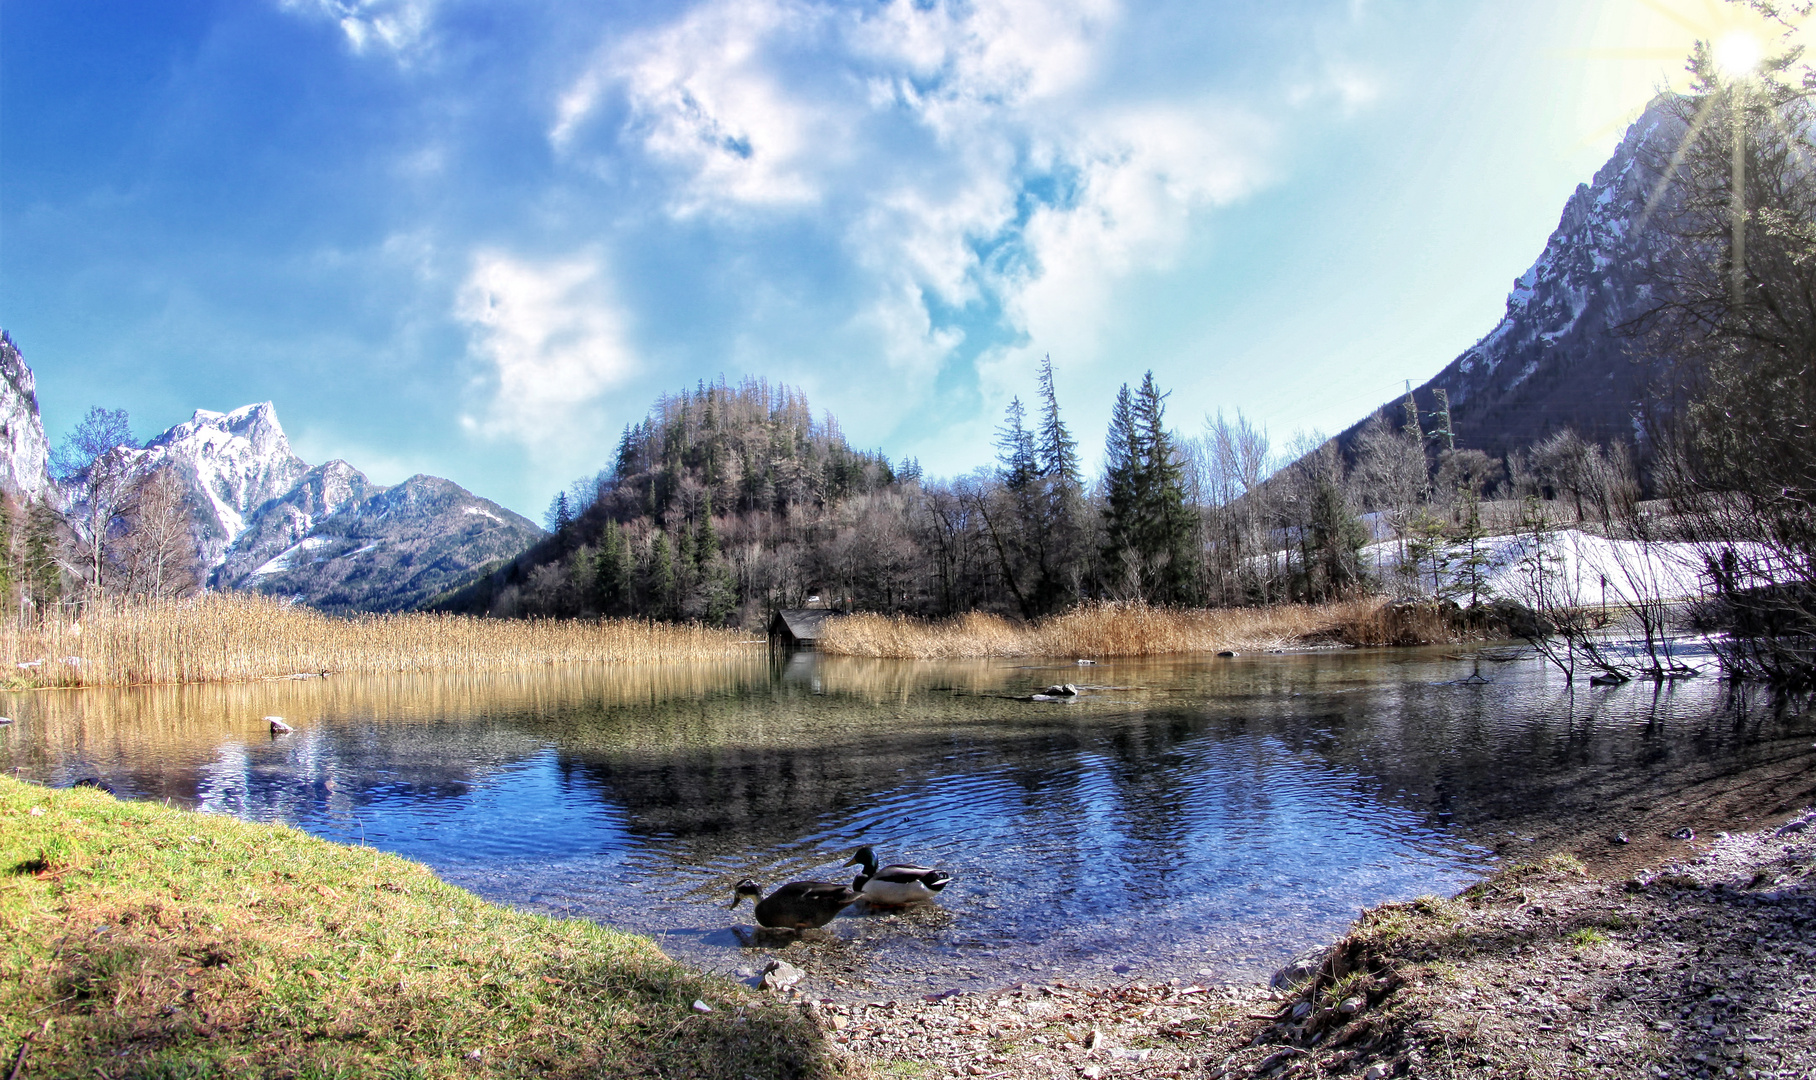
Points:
x=96 y=463
x=156 y=554
x=1738 y=320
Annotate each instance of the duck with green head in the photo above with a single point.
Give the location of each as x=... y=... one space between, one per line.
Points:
x=897 y=883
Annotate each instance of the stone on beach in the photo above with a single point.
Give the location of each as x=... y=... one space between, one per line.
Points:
x=780 y=975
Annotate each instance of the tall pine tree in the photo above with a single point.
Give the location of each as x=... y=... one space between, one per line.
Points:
x=1150 y=532
x=1057 y=450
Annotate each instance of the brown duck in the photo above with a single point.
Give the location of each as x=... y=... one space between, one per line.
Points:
x=798 y=905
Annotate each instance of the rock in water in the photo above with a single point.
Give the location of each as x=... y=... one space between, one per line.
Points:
x=278 y=727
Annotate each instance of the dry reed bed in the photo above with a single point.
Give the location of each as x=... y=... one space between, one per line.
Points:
x=230 y=637
x=1112 y=629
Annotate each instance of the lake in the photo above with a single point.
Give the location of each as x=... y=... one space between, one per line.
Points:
x=1194 y=818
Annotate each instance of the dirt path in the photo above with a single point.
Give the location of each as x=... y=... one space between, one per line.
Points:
x=1700 y=967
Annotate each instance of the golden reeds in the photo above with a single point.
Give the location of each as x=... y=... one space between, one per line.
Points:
x=228 y=637
x=1110 y=629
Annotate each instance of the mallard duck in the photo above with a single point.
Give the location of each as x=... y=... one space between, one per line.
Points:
x=798 y=905
x=897 y=883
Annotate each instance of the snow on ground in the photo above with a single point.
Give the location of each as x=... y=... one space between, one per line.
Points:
x=1584 y=569
x=286 y=558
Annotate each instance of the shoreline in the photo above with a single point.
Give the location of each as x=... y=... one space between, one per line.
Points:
x=1544 y=969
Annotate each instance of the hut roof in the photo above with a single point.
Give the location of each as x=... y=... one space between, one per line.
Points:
x=798 y=625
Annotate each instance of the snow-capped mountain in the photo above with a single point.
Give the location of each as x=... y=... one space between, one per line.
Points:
x=342 y=543
x=24 y=452
x=1556 y=358
x=233 y=463
x=262 y=519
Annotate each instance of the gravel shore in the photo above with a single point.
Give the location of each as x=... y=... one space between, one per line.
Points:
x=1703 y=967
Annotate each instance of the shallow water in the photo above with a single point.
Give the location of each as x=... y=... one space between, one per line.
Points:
x=1202 y=817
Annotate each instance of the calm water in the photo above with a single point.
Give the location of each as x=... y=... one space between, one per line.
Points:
x=1202 y=817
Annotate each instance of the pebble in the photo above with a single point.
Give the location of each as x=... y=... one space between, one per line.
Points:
x=1350 y=1006
x=701 y=1006
x=1091 y=1072
x=1685 y=833
x=1375 y=1072
x=1302 y=1010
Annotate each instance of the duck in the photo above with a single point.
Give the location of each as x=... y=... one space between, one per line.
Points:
x=897 y=883
x=798 y=905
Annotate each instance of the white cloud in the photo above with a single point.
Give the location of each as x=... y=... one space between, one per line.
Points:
x=965 y=153
x=706 y=100
x=553 y=339
x=400 y=27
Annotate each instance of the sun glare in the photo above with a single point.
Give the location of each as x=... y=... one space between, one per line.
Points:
x=1738 y=53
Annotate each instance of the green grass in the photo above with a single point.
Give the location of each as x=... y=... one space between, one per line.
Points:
x=142 y=942
x=1586 y=936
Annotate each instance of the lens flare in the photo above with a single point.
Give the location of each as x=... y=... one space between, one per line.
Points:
x=1738 y=53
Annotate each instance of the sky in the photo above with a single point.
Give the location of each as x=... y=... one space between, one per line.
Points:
x=476 y=238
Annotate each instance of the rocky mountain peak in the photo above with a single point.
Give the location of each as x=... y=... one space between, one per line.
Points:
x=24 y=451
x=235 y=462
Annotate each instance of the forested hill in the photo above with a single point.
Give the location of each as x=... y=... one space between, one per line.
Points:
x=745 y=467
x=753 y=448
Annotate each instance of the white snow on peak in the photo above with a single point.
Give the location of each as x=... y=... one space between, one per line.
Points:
x=235 y=461
x=480 y=511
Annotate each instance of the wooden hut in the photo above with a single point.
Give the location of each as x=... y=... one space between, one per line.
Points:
x=796 y=627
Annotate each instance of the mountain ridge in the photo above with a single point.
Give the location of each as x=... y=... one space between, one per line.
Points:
x=263 y=520
x=1559 y=356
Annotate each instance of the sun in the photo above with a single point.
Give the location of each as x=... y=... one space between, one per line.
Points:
x=1738 y=53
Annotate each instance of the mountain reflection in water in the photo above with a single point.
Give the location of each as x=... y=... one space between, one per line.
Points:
x=1204 y=816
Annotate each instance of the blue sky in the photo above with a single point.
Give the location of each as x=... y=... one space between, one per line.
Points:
x=476 y=239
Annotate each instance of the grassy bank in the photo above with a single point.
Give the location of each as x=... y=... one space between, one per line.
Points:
x=1118 y=629
x=224 y=637
x=139 y=941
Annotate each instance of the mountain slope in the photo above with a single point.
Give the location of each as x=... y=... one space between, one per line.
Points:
x=371 y=548
x=1557 y=358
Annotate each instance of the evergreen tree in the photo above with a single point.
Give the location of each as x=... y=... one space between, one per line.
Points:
x=659 y=578
x=1336 y=536
x=1058 y=451
x=1123 y=484
x=560 y=513
x=707 y=546
x=9 y=566
x=614 y=579
x=1150 y=532
x=1015 y=449
x=43 y=575
x=1169 y=525
x=1475 y=560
